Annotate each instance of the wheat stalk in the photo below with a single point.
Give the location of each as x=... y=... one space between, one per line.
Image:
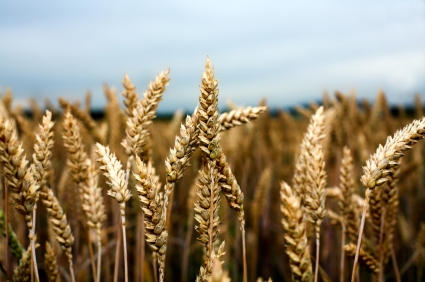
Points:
x=382 y=163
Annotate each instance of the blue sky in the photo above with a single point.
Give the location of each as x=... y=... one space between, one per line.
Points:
x=286 y=51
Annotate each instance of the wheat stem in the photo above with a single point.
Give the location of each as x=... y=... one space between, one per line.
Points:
x=71 y=269
x=395 y=265
x=245 y=268
x=381 y=247
x=124 y=243
x=316 y=271
x=359 y=240
x=155 y=267
x=117 y=255
x=91 y=253
x=6 y=203
x=33 y=258
x=99 y=257
x=342 y=265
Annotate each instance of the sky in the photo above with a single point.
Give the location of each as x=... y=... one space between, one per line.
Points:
x=288 y=52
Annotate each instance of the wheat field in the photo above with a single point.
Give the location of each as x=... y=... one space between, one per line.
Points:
x=329 y=192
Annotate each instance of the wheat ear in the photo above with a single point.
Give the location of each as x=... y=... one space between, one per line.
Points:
x=147 y=187
x=95 y=210
x=6 y=102
x=315 y=133
x=78 y=164
x=137 y=133
x=367 y=260
x=382 y=163
x=112 y=169
x=239 y=116
x=346 y=204
x=60 y=225
x=22 y=272
x=43 y=154
x=206 y=215
x=114 y=117
x=346 y=201
x=209 y=142
x=51 y=264
x=130 y=95
x=295 y=235
x=218 y=274
x=176 y=163
x=316 y=199
x=14 y=244
x=20 y=179
x=85 y=119
x=258 y=205
x=178 y=160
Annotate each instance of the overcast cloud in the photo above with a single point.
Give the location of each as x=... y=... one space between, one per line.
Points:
x=286 y=51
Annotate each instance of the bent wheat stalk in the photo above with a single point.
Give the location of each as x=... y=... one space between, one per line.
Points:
x=382 y=163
